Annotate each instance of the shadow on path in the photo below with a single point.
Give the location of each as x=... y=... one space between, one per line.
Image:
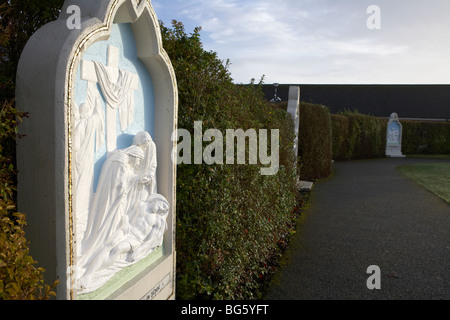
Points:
x=367 y=214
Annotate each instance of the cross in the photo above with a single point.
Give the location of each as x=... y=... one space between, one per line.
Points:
x=88 y=73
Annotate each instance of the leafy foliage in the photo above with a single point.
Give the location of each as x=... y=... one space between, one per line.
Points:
x=19 y=278
x=358 y=136
x=421 y=137
x=230 y=219
x=19 y=19
x=315 y=141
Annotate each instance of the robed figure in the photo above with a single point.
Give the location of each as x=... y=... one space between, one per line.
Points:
x=88 y=138
x=127 y=218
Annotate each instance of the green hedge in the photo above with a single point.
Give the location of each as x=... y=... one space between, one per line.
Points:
x=230 y=219
x=357 y=136
x=20 y=279
x=421 y=137
x=342 y=149
x=315 y=141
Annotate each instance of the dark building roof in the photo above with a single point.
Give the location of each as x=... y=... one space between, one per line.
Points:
x=408 y=101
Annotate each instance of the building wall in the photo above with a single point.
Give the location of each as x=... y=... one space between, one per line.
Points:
x=408 y=101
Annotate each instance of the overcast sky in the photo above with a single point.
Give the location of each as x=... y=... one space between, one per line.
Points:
x=322 y=41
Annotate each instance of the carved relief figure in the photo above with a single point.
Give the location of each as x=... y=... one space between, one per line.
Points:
x=125 y=219
x=393 y=136
x=118 y=88
x=147 y=167
x=117 y=190
x=89 y=136
x=125 y=224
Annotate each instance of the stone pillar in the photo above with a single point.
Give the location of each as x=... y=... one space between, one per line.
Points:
x=294 y=109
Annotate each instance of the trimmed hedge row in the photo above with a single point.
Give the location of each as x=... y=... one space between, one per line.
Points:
x=420 y=137
x=231 y=219
x=315 y=141
x=357 y=136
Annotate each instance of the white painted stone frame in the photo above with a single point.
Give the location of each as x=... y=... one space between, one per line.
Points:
x=45 y=89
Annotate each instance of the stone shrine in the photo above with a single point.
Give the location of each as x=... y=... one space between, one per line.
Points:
x=96 y=179
x=394 y=137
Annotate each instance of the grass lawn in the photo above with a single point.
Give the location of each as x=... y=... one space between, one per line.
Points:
x=429 y=156
x=433 y=176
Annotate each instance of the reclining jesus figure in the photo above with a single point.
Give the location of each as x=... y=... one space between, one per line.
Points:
x=127 y=218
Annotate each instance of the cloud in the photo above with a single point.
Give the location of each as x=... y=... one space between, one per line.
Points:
x=230 y=22
x=324 y=41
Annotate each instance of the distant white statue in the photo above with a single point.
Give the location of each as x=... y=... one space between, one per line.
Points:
x=127 y=218
x=394 y=137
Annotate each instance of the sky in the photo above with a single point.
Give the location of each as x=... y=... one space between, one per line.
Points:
x=322 y=41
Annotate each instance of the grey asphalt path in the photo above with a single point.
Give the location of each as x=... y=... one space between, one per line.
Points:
x=368 y=213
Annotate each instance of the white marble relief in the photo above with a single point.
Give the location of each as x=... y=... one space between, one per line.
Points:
x=125 y=219
x=88 y=137
x=118 y=88
x=393 y=136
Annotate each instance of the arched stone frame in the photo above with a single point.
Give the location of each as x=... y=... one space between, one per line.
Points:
x=45 y=88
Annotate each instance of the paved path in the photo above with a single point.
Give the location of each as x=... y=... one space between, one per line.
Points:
x=366 y=214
